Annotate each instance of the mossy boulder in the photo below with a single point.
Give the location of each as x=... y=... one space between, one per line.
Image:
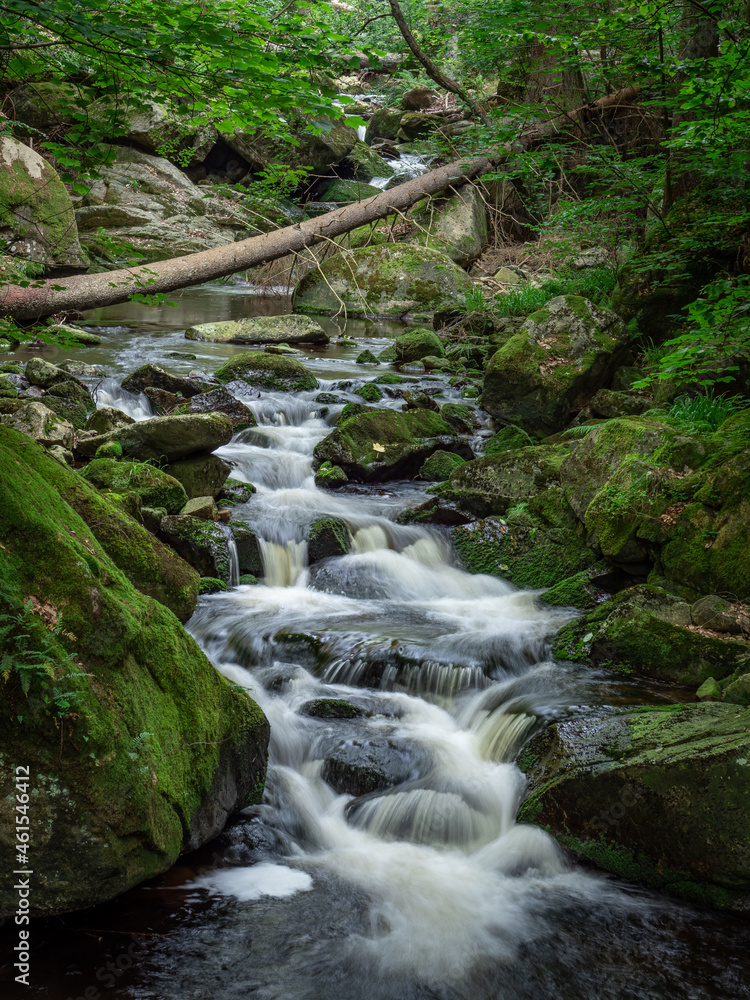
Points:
x=439 y=466
x=384 y=124
x=37 y=222
x=492 y=484
x=552 y=367
x=383 y=444
x=537 y=544
x=456 y=225
x=576 y=591
x=657 y=795
x=39 y=423
x=203 y=544
x=165 y=439
x=199 y=475
x=390 y=280
x=366 y=164
x=249 y=554
x=106 y=419
x=288 y=329
x=47 y=105
x=154 y=487
x=7 y=389
x=154 y=749
x=331 y=708
x=235 y=492
x=418 y=344
x=643 y=631
x=507 y=439
x=71 y=401
x=461 y=418
x=267 y=371
x=328 y=537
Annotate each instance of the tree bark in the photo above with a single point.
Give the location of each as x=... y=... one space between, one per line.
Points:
x=90 y=291
x=539 y=133
x=433 y=71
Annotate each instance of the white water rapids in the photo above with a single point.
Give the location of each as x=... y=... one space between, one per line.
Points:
x=451 y=673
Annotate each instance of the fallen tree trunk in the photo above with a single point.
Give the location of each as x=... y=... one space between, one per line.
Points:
x=577 y=118
x=91 y=291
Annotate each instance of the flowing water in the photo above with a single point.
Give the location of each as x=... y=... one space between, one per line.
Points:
x=424 y=886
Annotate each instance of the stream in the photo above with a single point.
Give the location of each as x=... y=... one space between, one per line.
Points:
x=425 y=889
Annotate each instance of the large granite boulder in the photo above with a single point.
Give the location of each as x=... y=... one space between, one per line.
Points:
x=551 y=368
x=138 y=749
x=266 y=371
x=658 y=795
x=40 y=423
x=154 y=487
x=37 y=222
x=456 y=225
x=389 y=280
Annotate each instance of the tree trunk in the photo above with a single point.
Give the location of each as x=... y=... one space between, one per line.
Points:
x=434 y=71
x=91 y=291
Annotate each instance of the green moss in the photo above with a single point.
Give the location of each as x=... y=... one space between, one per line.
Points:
x=439 y=466
x=389 y=378
x=154 y=487
x=417 y=344
x=507 y=439
x=270 y=371
x=156 y=725
x=574 y=592
x=369 y=392
x=210 y=585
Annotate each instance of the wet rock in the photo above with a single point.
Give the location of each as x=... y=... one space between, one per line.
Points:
x=384 y=124
x=209 y=585
x=391 y=280
x=123 y=810
x=40 y=423
x=366 y=163
x=461 y=418
x=200 y=475
x=492 y=484
x=107 y=419
x=576 y=591
x=418 y=344
x=7 y=389
x=557 y=361
x=507 y=439
x=738 y=692
x=267 y=371
x=597 y=783
x=383 y=444
x=343 y=192
x=328 y=537
x=439 y=466
x=357 y=767
x=161 y=401
x=369 y=392
x=420 y=401
x=642 y=631
x=367 y=358
x=203 y=544
x=248 y=549
x=71 y=401
x=151 y=376
x=608 y=403
x=331 y=708
x=418 y=98
x=154 y=487
x=220 y=400
x=234 y=492
x=288 y=329
x=165 y=439
x=330 y=477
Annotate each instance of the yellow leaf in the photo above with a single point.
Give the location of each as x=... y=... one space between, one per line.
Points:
x=380 y=448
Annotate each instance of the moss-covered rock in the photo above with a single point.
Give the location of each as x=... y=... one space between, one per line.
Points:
x=370 y=392
x=107 y=419
x=439 y=466
x=330 y=477
x=657 y=795
x=643 y=631
x=220 y=400
x=367 y=164
x=418 y=344
x=209 y=585
x=552 y=367
x=289 y=329
x=328 y=537
x=390 y=280
x=137 y=747
x=153 y=377
x=71 y=401
x=249 y=554
x=507 y=439
x=576 y=591
x=492 y=484
x=165 y=439
x=36 y=213
x=456 y=225
x=199 y=475
x=384 y=124
x=234 y=492
x=267 y=371
x=345 y=192
x=460 y=417
x=39 y=423
x=7 y=389
x=203 y=544
x=331 y=708
x=154 y=487
x=537 y=544
x=384 y=444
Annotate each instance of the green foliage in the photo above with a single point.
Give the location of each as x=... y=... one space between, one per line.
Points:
x=595 y=284
x=32 y=652
x=707 y=409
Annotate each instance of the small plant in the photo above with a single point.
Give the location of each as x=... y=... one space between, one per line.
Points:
x=475 y=301
x=583 y=430
x=708 y=409
x=31 y=651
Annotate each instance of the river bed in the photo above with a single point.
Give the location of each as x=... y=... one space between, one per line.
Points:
x=423 y=889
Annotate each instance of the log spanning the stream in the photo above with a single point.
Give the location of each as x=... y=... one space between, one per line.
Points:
x=91 y=291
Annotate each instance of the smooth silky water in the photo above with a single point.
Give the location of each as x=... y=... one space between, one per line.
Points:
x=428 y=889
